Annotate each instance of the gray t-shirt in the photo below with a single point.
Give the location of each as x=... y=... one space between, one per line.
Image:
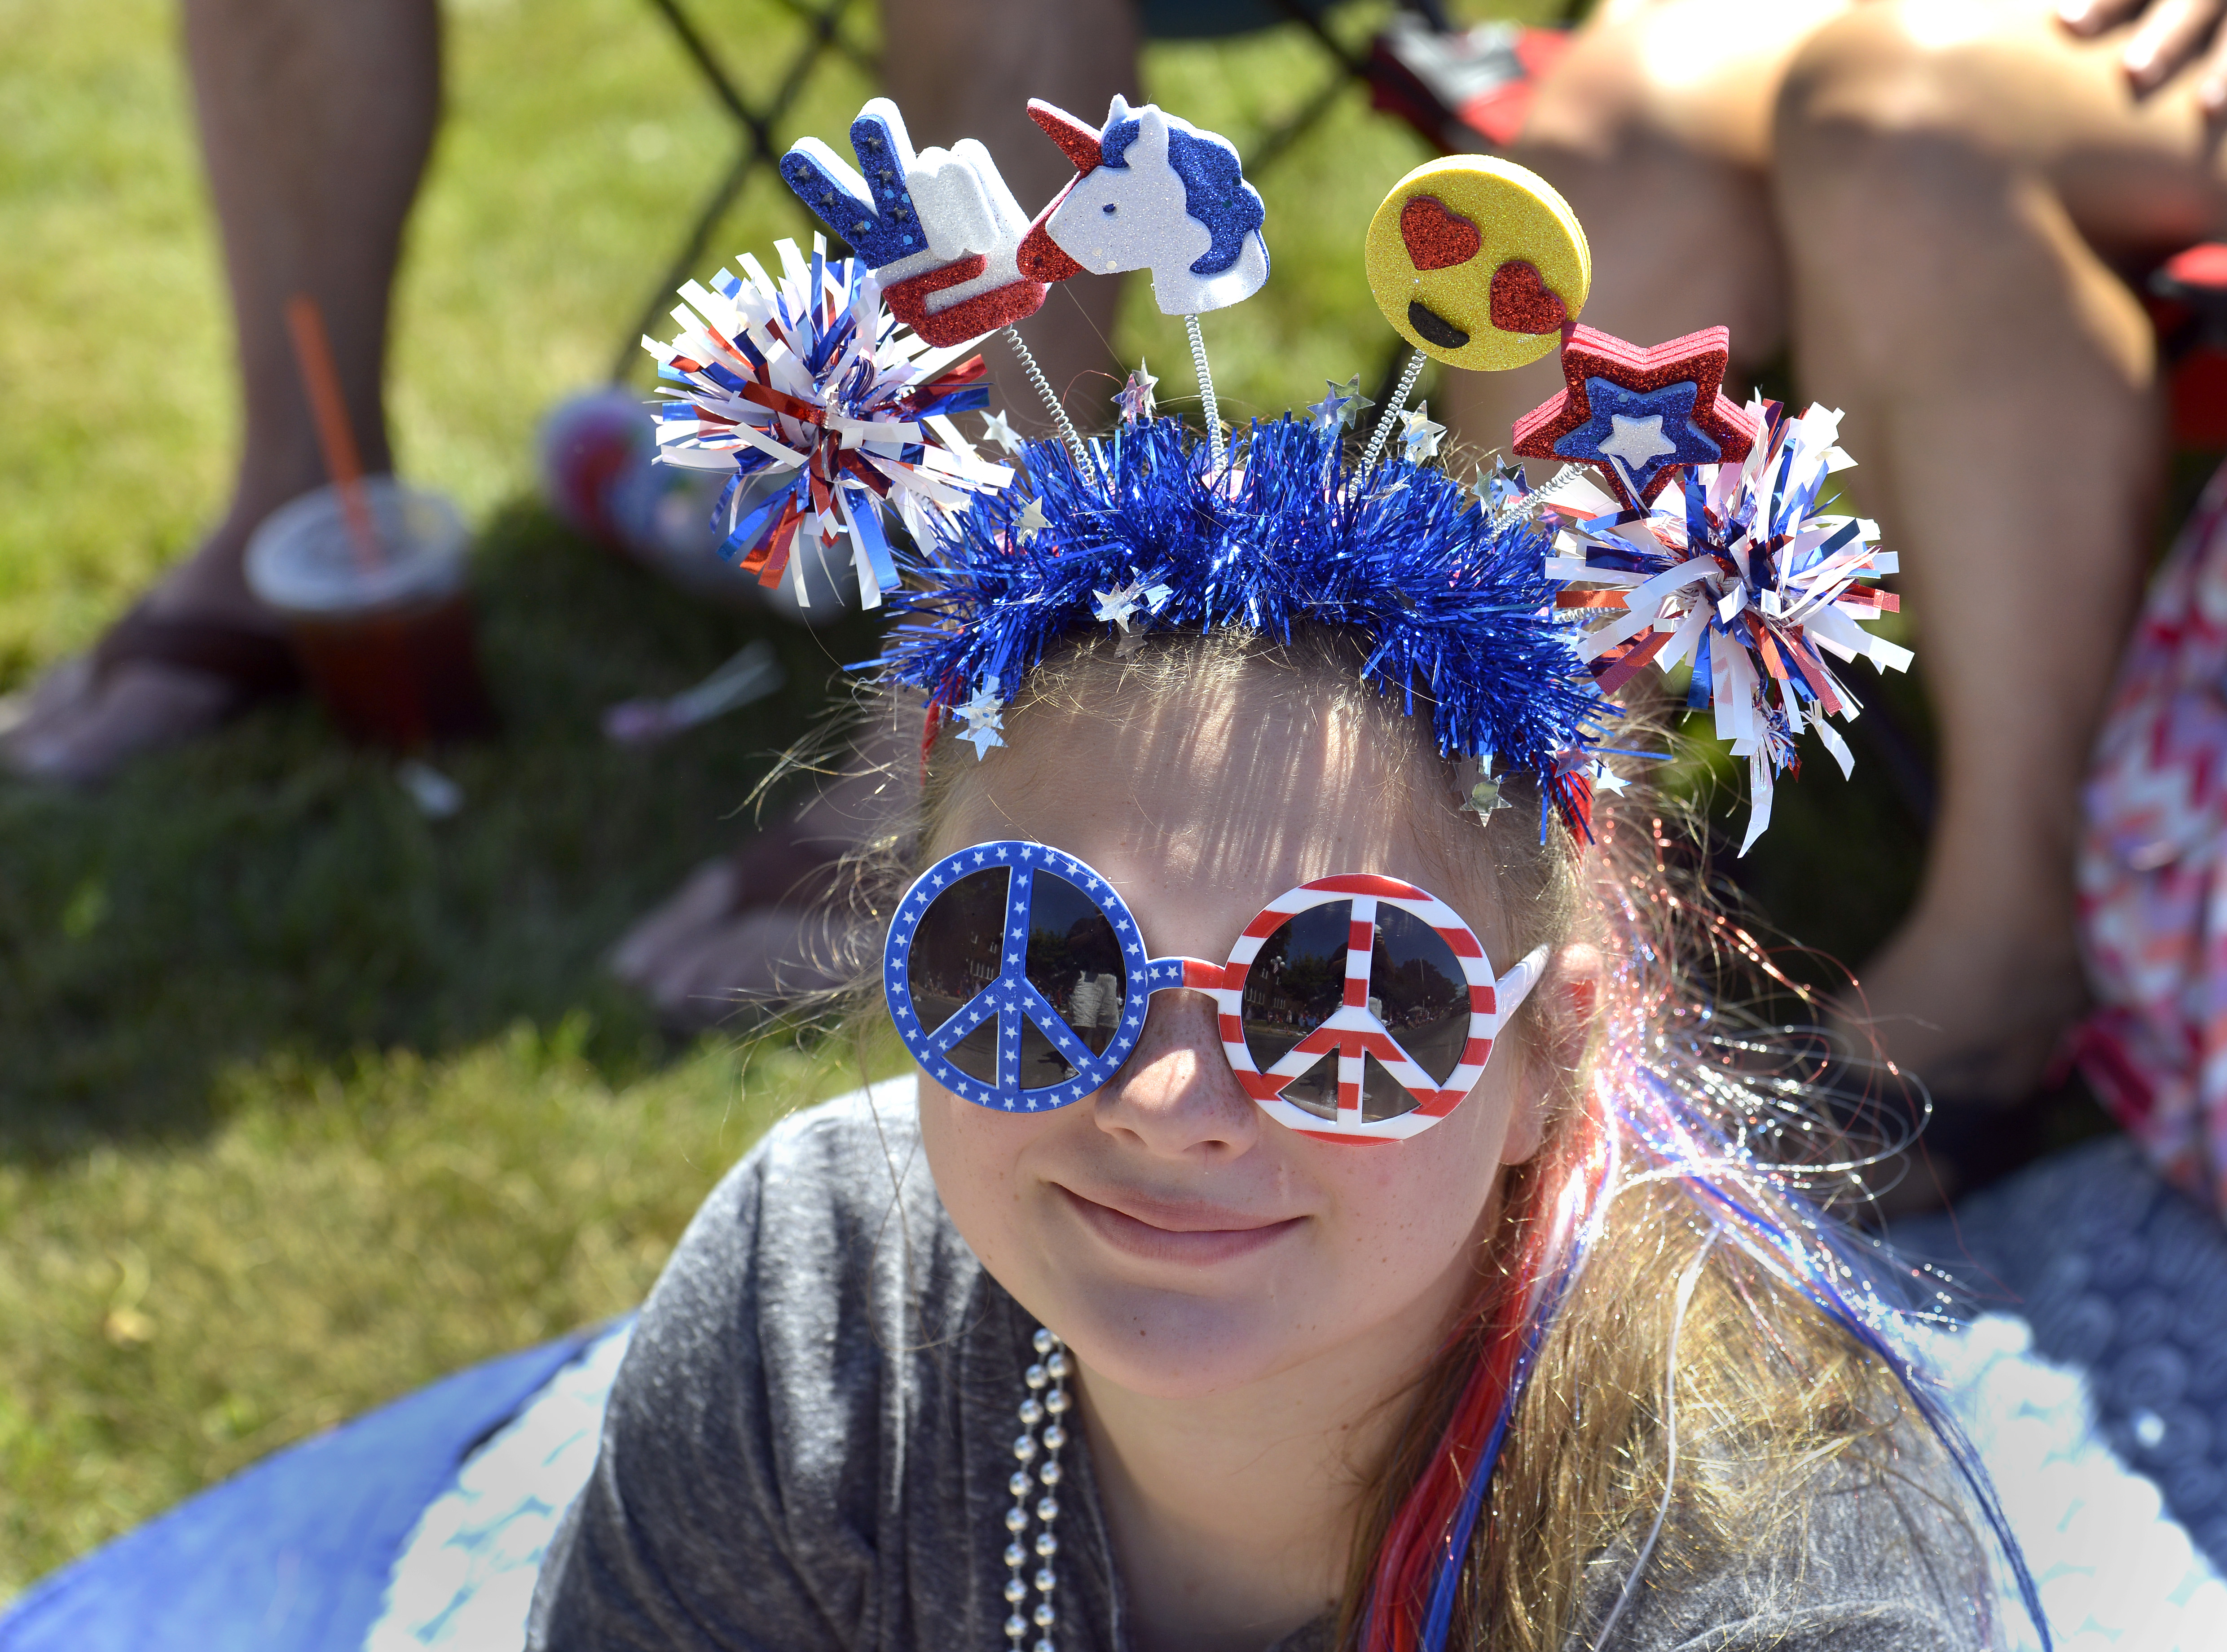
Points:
x=808 y=1445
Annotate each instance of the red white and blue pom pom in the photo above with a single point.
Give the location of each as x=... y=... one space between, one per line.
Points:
x=1736 y=572
x=809 y=388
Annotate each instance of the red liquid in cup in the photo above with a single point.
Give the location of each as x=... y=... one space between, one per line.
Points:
x=403 y=676
x=382 y=623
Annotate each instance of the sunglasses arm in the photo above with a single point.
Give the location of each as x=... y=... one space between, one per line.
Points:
x=1511 y=989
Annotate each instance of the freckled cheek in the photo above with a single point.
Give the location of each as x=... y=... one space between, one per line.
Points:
x=1411 y=1208
x=1407 y=1210
x=976 y=1159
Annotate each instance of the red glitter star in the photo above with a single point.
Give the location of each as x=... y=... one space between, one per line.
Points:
x=1698 y=358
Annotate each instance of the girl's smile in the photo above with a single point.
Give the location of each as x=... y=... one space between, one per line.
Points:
x=1183 y=1232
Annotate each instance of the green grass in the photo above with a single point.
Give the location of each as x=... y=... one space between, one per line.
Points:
x=305 y=1099
x=349 y=1228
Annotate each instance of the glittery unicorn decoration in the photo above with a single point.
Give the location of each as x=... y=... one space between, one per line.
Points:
x=1153 y=192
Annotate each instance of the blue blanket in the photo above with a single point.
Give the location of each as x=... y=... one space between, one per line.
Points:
x=293 y=1554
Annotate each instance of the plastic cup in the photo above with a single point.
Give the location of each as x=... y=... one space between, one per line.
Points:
x=384 y=631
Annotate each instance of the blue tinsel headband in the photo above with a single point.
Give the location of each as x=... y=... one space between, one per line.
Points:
x=1451 y=607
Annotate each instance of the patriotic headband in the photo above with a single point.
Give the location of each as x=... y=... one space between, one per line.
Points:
x=1681 y=529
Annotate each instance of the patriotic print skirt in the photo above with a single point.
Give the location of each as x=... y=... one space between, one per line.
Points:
x=2152 y=871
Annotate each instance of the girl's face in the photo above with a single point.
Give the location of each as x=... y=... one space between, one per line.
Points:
x=1181 y=1241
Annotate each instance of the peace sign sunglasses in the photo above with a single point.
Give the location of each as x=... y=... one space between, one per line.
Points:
x=1356 y=1007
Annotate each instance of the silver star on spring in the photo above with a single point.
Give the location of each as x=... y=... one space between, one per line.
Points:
x=1480 y=792
x=1031 y=522
x=1341 y=407
x=1503 y=493
x=1421 y=438
x=1136 y=399
x=1607 y=779
x=983 y=715
x=1115 y=606
x=994 y=429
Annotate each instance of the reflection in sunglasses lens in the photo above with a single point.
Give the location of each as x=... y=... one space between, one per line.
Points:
x=1416 y=990
x=1074 y=960
x=1295 y=984
x=954 y=956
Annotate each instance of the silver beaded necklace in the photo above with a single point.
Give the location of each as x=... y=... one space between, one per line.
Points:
x=1050 y=1371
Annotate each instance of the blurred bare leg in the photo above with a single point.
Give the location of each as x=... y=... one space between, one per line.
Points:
x=315 y=119
x=967 y=68
x=1656 y=127
x=1950 y=178
x=758 y=926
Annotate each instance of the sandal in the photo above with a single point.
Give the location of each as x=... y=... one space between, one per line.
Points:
x=693 y=953
x=786 y=865
x=60 y=731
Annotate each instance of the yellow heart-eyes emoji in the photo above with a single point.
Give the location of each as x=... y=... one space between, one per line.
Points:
x=1478 y=262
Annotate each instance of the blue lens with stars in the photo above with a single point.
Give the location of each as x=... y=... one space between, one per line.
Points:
x=1016 y=977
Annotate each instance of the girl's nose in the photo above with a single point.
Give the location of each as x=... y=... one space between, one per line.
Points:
x=1176 y=1096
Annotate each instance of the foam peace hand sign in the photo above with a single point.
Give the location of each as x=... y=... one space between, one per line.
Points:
x=875 y=212
x=940 y=225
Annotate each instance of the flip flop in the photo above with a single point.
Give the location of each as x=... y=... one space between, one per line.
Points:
x=786 y=865
x=245 y=665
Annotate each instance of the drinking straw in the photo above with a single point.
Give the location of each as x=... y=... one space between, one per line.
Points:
x=313 y=353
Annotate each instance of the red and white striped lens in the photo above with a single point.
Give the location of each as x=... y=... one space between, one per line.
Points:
x=1361 y=1007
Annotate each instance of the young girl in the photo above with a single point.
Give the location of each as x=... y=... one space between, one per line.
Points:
x=1399 y=1261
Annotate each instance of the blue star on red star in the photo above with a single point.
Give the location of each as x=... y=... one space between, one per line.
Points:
x=1640 y=416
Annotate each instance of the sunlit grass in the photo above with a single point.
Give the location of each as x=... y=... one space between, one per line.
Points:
x=352 y=1229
